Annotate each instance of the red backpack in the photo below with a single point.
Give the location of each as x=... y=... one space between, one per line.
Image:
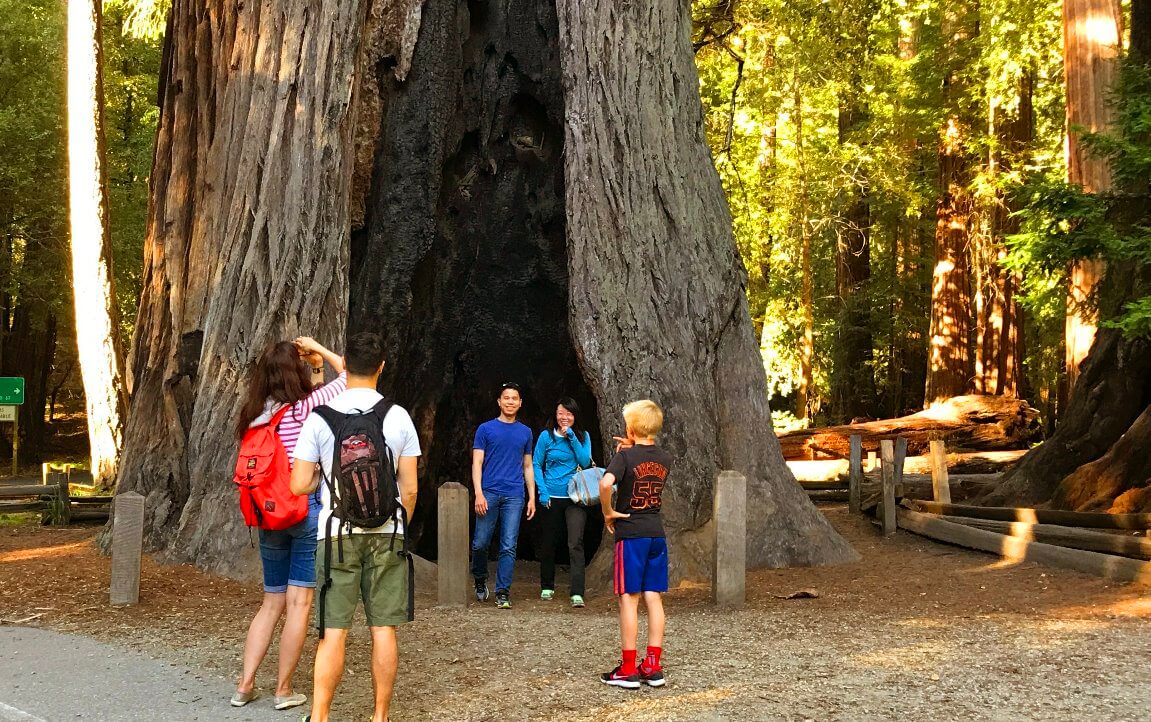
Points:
x=263 y=475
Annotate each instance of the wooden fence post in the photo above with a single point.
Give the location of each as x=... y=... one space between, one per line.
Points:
x=729 y=518
x=887 y=472
x=900 y=460
x=127 y=547
x=65 y=500
x=855 y=473
x=452 y=538
x=939 y=482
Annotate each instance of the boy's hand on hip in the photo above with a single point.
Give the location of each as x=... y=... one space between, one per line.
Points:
x=481 y=504
x=609 y=518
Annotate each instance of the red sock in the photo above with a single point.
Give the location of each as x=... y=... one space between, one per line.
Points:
x=651 y=661
x=628 y=665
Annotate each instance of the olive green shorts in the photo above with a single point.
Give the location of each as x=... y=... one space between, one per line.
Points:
x=373 y=571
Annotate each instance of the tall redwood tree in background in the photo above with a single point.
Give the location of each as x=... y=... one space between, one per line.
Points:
x=97 y=327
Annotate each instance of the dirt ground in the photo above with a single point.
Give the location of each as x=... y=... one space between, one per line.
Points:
x=915 y=630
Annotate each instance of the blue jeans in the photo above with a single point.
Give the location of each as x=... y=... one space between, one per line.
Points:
x=505 y=512
x=289 y=556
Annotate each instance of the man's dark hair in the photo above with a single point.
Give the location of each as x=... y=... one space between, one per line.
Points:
x=364 y=354
x=510 y=385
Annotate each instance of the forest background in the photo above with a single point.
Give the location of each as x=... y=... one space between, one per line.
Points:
x=896 y=173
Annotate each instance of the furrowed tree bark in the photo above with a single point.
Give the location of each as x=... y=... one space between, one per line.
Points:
x=97 y=324
x=247 y=244
x=1113 y=390
x=949 y=368
x=999 y=339
x=657 y=296
x=1091 y=42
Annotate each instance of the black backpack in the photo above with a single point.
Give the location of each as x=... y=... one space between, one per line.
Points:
x=363 y=486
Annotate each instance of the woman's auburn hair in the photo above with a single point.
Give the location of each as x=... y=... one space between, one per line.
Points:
x=279 y=374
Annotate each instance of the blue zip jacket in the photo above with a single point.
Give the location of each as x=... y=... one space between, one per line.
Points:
x=554 y=462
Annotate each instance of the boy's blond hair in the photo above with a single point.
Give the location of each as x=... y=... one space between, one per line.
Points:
x=644 y=418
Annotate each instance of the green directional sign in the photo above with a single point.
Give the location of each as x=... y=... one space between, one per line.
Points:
x=11 y=389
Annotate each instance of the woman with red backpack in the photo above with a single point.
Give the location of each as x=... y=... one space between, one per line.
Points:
x=285 y=385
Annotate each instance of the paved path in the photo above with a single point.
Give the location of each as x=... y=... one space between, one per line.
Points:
x=47 y=676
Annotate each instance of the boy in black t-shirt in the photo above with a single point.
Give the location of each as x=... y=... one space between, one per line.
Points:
x=639 y=567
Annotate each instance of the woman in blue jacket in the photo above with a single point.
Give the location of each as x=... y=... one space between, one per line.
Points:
x=558 y=452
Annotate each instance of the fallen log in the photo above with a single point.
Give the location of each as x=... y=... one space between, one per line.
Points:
x=828 y=495
x=21 y=507
x=11 y=492
x=89 y=515
x=1094 y=520
x=823 y=485
x=977 y=462
x=918 y=486
x=1021 y=550
x=966 y=423
x=1064 y=536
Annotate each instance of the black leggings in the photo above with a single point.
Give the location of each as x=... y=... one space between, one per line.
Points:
x=563 y=516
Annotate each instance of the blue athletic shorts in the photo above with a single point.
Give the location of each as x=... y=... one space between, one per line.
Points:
x=640 y=565
x=289 y=556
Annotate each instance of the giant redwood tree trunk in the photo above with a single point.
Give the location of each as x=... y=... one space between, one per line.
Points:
x=247 y=244
x=1091 y=44
x=527 y=204
x=657 y=290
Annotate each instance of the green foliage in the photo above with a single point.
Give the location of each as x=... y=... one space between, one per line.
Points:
x=1062 y=223
x=870 y=83
x=132 y=30
x=33 y=174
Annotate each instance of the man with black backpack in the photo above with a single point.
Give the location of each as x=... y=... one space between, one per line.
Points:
x=367 y=450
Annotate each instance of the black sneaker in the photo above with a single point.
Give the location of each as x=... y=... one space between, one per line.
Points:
x=482 y=590
x=615 y=679
x=653 y=677
x=503 y=601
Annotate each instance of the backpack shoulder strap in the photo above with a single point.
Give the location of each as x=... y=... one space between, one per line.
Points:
x=330 y=416
x=274 y=422
x=382 y=407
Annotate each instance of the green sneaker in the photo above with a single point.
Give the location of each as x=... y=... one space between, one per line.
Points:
x=577 y=601
x=503 y=601
x=547 y=594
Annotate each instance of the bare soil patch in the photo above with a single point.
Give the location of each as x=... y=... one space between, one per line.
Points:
x=914 y=630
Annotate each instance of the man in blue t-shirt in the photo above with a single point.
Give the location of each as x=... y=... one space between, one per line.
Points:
x=501 y=468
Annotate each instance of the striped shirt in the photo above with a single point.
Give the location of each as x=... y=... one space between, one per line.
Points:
x=294 y=420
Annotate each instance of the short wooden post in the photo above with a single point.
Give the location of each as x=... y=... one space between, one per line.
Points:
x=127 y=547
x=900 y=460
x=64 y=496
x=729 y=518
x=940 y=485
x=887 y=470
x=855 y=473
x=452 y=539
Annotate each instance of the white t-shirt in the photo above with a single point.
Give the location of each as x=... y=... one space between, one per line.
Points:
x=316 y=444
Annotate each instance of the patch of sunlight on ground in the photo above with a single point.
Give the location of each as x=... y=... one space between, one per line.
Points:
x=925 y=623
x=62 y=550
x=921 y=656
x=1138 y=608
x=665 y=705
